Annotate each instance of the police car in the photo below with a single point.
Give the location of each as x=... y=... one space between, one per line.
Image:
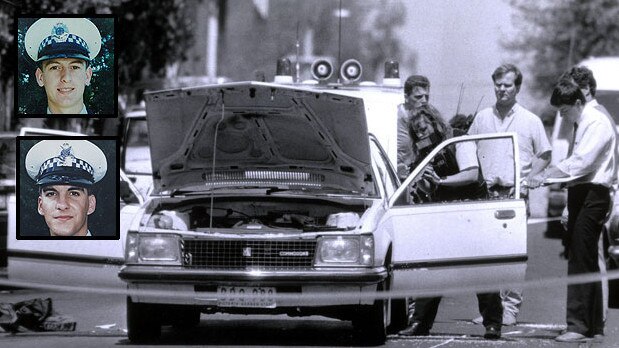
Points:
x=7 y=191
x=272 y=198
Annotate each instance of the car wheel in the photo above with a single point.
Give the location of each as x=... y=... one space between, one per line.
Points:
x=143 y=322
x=185 y=318
x=370 y=322
x=400 y=309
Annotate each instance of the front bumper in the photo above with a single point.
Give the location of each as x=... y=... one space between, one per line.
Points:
x=175 y=285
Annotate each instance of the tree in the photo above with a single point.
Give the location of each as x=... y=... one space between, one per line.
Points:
x=155 y=34
x=379 y=41
x=554 y=35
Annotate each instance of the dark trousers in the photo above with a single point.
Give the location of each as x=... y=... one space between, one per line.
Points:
x=490 y=308
x=587 y=206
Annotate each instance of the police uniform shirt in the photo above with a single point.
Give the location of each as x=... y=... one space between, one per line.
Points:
x=82 y=112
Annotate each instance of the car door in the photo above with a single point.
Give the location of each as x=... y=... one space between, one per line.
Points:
x=475 y=244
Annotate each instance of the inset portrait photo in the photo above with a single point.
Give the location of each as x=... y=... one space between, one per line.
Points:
x=68 y=188
x=66 y=67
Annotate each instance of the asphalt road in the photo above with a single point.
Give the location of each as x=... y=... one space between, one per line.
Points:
x=99 y=310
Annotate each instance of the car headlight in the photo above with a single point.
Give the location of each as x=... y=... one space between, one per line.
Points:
x=345 y=250
x=153 y=249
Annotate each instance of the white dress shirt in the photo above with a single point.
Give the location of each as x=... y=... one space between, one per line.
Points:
x=593 y=156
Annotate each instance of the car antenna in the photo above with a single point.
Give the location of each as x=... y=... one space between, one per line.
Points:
x=478 y=104
x=223 y=108
x=339 y=41
x=297 y=67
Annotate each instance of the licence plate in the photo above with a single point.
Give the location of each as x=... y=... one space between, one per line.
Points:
x=246 y=296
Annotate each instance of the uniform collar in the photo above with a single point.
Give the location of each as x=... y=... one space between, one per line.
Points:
x=82 y=112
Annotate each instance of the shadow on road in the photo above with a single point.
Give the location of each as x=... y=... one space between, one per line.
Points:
x=259 y=332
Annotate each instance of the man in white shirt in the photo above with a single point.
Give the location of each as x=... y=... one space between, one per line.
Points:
x=590 y=172
x=507 y=115
x=585 y=80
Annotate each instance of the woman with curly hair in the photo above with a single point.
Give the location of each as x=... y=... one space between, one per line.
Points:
x=453 y=173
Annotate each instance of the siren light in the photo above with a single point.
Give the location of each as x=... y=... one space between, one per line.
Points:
x=392 y=74
x=283 y=73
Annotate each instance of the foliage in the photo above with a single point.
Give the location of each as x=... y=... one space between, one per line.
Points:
x=379 y=41
x=154 y=34
x=553 y=35
x=6 y=43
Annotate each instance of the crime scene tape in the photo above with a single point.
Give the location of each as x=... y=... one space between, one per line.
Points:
x=333 y=294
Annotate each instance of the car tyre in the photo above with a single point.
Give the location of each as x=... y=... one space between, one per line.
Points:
x=184 y=318
x=143 y=322
x=370 y=322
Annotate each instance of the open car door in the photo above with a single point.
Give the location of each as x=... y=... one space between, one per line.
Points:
x=463 y=243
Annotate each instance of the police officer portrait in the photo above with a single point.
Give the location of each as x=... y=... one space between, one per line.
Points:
x=67 y=188
x=66 y=66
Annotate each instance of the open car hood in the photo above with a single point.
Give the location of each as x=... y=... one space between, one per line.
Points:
x=265 y=135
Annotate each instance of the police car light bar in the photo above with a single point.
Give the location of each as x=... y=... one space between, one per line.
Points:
x=283 y=73
x=351 y=70
x=392 y=74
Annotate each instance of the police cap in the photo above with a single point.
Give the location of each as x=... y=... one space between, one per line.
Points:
x=49 y=38
x=66 y=162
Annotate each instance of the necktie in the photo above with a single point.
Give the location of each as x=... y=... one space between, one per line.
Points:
x=571 y=148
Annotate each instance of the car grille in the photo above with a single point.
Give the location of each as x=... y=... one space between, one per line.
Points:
x=249 y=254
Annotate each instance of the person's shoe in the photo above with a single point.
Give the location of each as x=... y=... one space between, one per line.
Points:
x=571 y=337
x=492 y=333
x=509 y=319
x=414 y=329
x=598 y=338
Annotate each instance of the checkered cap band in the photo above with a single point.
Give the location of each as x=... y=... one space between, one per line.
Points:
x=71 y=38
x=57 y=164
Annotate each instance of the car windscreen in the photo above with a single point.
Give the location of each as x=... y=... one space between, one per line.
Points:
x=137 y=157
